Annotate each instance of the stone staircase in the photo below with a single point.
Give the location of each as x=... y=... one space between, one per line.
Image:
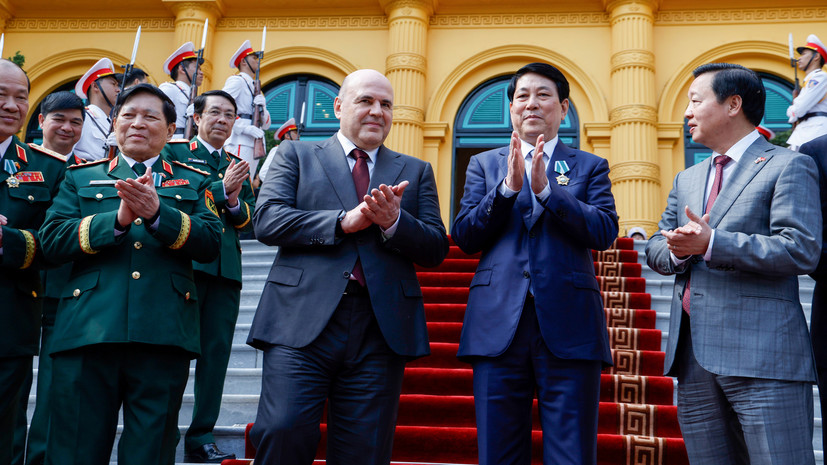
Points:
x=243 y=382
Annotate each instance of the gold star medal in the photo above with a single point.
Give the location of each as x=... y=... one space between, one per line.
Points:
x=13 y=181
x=562 y=167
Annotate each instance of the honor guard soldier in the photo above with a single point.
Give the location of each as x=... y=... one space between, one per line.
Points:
x=218 y=282
x=61 y=117
x=809 y=108
x=287 y=131
x=127 y=325
x=28 y=182
x=101 y=89
x=242 y=88
x=181 y=66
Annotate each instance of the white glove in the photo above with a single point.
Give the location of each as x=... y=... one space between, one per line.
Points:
x=253 y=132
x=190 y=110
x=260 y=100
x=111 y=140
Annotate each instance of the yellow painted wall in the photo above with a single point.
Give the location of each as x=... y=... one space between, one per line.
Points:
x=463 y=45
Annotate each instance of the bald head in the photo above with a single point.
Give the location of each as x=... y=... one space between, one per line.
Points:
x=14 y=98
x=12 y=67
x=365 y=108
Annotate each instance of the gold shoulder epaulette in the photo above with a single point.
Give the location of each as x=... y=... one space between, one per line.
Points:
x=178 y=141
x=45 y=151
x=205 y=173
x=89 y=163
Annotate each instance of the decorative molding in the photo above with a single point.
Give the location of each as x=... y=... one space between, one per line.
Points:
x=435 y=132
x=633 y=113
x=304 y=23
x=405 y=61
x=635 y=170
x=741 y=15
x=518 y=20
x=89 y=24
x=408 y=114
x=629 y=58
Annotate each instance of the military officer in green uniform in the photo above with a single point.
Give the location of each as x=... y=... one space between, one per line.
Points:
x=218 y=282
x=127 y=324
x=61 y=119
x=28 y=182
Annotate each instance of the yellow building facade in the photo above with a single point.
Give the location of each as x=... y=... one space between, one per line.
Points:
x=629 y=62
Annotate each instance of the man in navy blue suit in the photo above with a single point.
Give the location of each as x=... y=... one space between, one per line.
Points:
x=535 y=320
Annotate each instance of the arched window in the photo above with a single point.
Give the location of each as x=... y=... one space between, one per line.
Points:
x=779 y=97
x=287 y=96
x=484 y=122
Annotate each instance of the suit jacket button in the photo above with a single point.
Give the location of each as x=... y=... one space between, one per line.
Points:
x=177 y=196
x=187 y=296
x=526 y=274
x=136 y=275
x=321 y=240
x=138 y=221
x=76 y=292
x=137 y=245
x=31 y=198
x=346 y=275
x=98 y=196
x=220 y=175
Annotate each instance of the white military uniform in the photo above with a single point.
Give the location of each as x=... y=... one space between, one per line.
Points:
x=811 y=101
x=92 y=144
x=240 y=87
x=179 y=93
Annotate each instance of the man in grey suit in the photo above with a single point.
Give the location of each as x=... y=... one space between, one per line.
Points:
x=342 y=311
x=737 y=230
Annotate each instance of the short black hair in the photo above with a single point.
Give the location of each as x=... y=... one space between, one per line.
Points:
x=62 y=100
x=545 y=70
x=177 y=68
x=731 y=79
x=136 y=73
x=201 y=101
x=169 y=107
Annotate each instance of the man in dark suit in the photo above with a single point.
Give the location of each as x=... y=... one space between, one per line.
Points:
x=342 y=311
x=219 y=281
x=535 y=318
x=127 y=324
x=28 y=181
x=737 y=231
x=817 y=148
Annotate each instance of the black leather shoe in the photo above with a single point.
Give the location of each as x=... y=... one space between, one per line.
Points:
x=208 y=453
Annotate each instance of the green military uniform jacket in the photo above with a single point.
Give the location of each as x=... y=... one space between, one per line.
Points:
x=228 y=263
x=136 y=286
x=28 y=182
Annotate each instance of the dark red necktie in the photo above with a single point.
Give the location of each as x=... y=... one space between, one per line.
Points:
x=361 y=180
x=720 y=162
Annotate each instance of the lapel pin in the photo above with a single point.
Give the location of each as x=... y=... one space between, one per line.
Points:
x=759 y=160
x=563 y=180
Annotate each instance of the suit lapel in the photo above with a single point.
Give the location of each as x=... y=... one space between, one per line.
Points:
x=745 y=170
x=333 y=162
x=695 y=198
x=386 y=168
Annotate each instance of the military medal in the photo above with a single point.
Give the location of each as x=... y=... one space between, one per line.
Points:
x=562 y=167
x=12 y=181
x=157 y=179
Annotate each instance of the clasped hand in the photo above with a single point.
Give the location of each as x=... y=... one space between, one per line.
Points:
x=691 y=238
x=138 y=198
x=516 y=165
x=381 y=207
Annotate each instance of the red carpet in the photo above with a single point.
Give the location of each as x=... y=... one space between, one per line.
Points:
x=637 y=423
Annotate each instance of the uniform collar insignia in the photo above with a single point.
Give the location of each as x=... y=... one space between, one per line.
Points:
x=113 y=164
x=21 y=154
x=167 y=166
x=193 y=145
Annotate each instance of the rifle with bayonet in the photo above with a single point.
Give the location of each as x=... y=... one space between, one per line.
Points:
x=258 y=112
x=189 y=129
x=126 y=72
